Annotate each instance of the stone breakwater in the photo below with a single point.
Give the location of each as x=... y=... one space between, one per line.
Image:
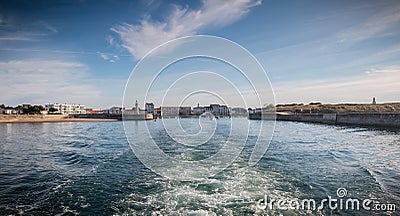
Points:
x=391 y=120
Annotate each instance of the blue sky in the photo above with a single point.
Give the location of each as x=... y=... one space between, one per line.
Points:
x=84 y=51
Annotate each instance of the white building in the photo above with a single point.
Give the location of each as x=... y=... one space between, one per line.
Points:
x=238 y=111
x=149 y=107
x=215 y=109
x=169 y=111
x=175 y=111
x=10 y=111
x=224 y=110
x=198 y=110
x=136 y=110
x=65 y=109
x=114 y=110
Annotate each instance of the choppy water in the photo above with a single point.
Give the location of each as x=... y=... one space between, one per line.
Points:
x=88 y=168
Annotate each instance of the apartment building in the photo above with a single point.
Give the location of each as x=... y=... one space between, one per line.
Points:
x=65 y=109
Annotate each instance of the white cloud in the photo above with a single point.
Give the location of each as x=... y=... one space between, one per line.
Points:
x=16 y=38
x=141 y=38
x=109 y=57
x=382 y=83
x=110 y=40
x=382 y=70
x=42 y=81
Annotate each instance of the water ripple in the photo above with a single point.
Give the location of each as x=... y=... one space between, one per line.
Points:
x=88 y=168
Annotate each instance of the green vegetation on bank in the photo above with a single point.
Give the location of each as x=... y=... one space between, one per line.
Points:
x=26 y=109
x=317 y=107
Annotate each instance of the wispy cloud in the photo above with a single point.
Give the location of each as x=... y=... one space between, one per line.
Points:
x=343 y=48
x=109 y=57
x=110 y=40
x=1 y=19
x=383 y=70
x=20 y=35
x=14 y=29
x=41 y=81
x=105 y=56
x=47 y=26
x=360 y=88
x=17 y=38
x=141 y=38
x=385 y=22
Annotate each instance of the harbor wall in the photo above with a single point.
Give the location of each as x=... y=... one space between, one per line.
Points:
x=119 y=117
x=99 y=116
x=382 y=120
x=362 y=119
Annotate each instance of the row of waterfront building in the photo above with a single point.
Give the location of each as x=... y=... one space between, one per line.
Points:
x=51 y=108
x=219 y=110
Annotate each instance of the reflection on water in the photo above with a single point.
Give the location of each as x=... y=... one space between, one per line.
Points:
x=89 y=168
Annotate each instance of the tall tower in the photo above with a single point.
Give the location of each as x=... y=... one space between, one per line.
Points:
x=136 y=107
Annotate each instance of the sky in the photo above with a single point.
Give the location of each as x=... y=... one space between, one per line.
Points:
x=83 y=52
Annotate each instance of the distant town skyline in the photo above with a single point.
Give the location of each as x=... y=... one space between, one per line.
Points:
x=83 y=52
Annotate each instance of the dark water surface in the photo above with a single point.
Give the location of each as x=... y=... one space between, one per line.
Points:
x=88 y=168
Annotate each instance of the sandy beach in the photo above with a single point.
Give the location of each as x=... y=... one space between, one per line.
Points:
x=46 y=118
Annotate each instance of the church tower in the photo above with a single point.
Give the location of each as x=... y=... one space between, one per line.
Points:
x=136 y=107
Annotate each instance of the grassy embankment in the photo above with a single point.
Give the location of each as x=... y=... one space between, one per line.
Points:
x=339 y=108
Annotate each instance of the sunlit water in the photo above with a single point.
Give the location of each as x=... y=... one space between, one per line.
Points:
x=89 y=168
